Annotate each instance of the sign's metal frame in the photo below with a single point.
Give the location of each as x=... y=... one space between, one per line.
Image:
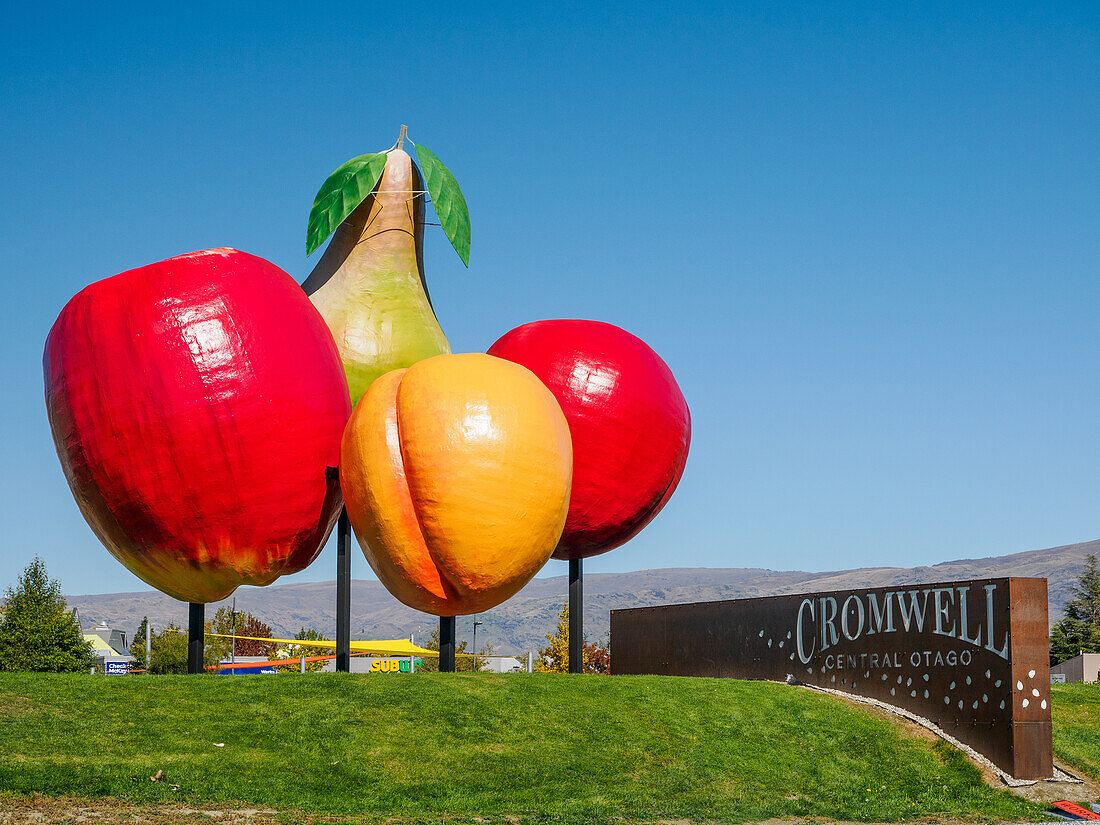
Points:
x=970 y=656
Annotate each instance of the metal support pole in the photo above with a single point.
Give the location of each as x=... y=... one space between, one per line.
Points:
x=148 y=645
x=302 y=665
x=233 y=633
x=196 y=636
x=576 y=617
x=343 y=593
x=446 y=644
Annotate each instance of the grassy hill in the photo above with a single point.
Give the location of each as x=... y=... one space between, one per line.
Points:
x=540 y=747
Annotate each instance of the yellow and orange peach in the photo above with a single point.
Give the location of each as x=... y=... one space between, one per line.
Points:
x=456 y=476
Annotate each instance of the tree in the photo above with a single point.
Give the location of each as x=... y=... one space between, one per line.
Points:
x=243 y=623
x=430 y=664
x=554 y=658
x=1079 y=629
x=298 y=651
x=37 y=633
x=137 y=646
x=169 y=651
x=597 y=659
x=253 y=647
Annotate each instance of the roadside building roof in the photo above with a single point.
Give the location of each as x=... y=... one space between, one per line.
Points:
x=99 y=646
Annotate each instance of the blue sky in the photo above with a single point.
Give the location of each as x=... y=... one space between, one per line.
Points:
x=864 y=237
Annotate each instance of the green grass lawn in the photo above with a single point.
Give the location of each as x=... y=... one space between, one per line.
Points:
x=540 y=747
x=1076 y=711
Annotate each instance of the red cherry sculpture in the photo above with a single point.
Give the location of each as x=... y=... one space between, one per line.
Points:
x=629 y=421
x=195 y=404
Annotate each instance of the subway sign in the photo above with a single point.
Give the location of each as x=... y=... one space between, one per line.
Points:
x=391 y=665
x=972 y=657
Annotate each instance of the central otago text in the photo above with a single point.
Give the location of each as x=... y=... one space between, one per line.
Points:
x=944 y=611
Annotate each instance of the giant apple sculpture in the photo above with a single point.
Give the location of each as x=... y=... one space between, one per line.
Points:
x=456 y=477
x=629 y=422
x=195 y=404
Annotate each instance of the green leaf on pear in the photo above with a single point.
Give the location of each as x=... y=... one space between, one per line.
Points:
x=447 y=198
x=344 y=190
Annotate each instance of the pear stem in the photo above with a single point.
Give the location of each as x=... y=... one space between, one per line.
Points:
x=401 y=137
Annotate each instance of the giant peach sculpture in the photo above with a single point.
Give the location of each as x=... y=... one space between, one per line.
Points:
x=456 y=476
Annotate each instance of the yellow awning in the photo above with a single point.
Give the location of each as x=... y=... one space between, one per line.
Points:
x=383 y=647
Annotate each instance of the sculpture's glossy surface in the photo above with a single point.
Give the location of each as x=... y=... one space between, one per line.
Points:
x=195 y=404
x=456 y=478
x=629 y=421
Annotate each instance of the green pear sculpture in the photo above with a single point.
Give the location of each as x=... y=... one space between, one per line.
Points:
x=369 y=284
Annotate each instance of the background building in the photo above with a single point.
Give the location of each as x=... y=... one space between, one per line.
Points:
x=1084 y=667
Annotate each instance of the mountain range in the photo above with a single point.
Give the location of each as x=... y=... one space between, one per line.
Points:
x=521 y=623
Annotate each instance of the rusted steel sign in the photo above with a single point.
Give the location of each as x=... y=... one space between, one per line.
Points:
x=970 y=656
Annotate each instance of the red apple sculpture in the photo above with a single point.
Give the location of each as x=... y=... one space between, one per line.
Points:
x=628 y=419
x=195 y=404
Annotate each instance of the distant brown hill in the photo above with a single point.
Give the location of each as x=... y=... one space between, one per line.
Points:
x=521 y=623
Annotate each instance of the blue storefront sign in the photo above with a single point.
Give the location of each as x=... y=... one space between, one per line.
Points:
x=246 y=667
